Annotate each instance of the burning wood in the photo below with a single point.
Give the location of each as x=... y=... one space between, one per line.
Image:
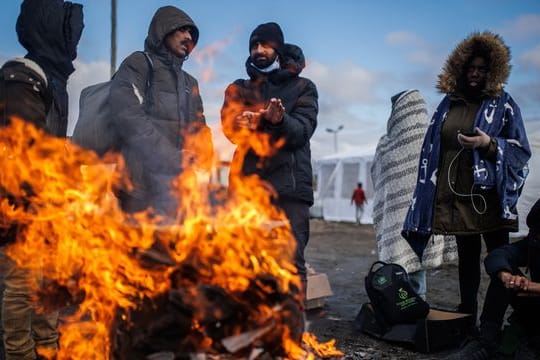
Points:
x=194 y=318
x=234 y=343
x=214 y=280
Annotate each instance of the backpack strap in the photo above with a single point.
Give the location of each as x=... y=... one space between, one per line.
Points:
x=147 y=56
x=150 y=74
x=149 y=78
x=382 y=263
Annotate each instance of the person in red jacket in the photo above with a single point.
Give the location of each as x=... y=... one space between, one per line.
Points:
x=359 y=199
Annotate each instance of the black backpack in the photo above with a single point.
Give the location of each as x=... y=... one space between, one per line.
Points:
x=392 y=295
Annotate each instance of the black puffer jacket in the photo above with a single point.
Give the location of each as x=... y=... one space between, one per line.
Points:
x=24 y=92
x=524 y=253
x=289 y=169
x=50 y=31
x=152 y=124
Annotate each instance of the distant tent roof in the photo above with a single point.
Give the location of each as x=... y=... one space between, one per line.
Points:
x=354 y=153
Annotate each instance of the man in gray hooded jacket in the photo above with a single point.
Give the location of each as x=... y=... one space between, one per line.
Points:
x=155 y=122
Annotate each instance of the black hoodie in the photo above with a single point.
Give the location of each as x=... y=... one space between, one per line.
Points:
x=50 y=31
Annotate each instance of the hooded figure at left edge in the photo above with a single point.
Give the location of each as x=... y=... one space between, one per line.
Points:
x=33 y=88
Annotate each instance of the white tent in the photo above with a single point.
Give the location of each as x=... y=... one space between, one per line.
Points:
x=531 y=190
x=337 y=176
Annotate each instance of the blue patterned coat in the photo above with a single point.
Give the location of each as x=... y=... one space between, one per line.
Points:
x=500 y=118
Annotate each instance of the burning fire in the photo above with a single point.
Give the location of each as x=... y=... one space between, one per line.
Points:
x=224 y=261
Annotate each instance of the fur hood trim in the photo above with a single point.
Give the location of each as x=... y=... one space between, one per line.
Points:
x=498 y=63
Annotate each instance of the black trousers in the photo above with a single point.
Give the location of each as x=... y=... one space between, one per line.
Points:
x=526 y=309
x=298 y=215
x=469 y=250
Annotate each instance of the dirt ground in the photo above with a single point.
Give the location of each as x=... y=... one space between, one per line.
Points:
x=345 y=252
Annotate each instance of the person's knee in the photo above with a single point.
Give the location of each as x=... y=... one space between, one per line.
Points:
x=19 y=346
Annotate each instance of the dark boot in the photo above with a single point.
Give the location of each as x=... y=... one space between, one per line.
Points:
x=529 y=349
x=473 y=349
x=482 y=347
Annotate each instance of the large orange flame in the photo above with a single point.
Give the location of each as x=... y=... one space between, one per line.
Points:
x=72 y=231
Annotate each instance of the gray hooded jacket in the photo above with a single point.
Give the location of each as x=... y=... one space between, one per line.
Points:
x=153 y=124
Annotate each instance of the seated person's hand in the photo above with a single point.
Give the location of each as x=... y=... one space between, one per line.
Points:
x=514 y=282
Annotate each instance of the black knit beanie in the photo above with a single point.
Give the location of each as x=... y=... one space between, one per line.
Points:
x=269 y=33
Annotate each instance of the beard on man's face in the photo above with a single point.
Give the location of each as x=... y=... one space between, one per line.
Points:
x=262 y=61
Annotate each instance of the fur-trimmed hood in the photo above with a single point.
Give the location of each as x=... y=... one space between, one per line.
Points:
x=498 y=59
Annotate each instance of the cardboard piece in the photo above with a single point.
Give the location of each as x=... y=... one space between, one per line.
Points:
x=439 y=330
x=442 y=329
x=318 y=288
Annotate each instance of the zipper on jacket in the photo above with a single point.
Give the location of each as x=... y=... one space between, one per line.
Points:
x=293 y=178
x=180 y=85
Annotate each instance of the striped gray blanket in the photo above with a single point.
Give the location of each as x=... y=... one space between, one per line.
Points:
x=394 y=172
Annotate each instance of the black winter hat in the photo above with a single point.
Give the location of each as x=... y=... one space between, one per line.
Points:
x=267 y=33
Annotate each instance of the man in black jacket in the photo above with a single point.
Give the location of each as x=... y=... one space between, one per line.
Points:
x=509 y=286
x=275 y=103
x=157 y=123
x=33 y=89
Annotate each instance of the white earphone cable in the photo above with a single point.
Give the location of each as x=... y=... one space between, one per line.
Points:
x=472 y=195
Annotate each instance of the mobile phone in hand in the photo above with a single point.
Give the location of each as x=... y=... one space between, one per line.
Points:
x=469 y=132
